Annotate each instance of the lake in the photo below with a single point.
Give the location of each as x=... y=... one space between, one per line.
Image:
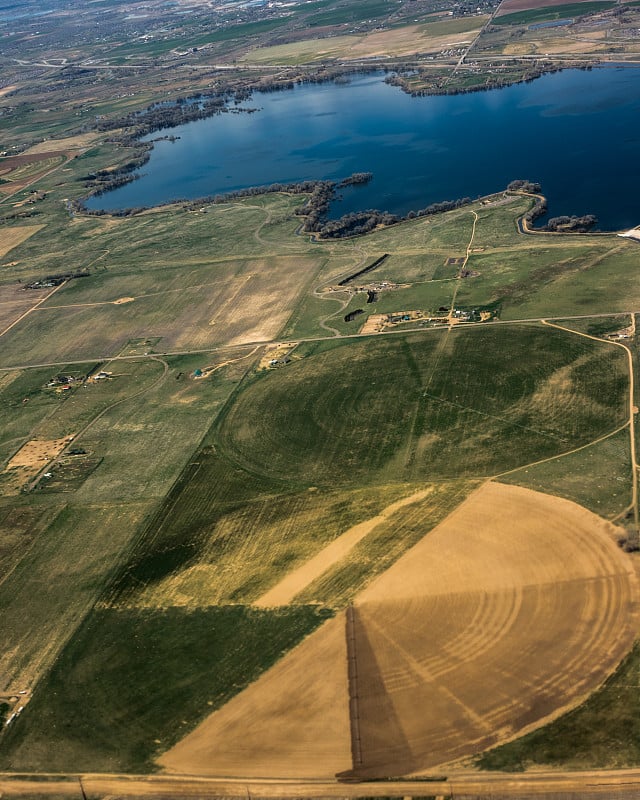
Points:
x=575 y=132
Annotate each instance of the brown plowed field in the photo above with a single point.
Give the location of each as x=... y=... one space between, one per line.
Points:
x=294 y=720
x=513 y=609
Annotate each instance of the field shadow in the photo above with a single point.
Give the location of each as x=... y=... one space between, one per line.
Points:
x=379 y=748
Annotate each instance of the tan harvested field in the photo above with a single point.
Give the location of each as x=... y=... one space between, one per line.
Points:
x=397 y=42
x=22 y=170
x=516 y=607
x=69 y=143
x=292 y=720
x=13 y=236
x=297 y=581
x=590 y=42
x=510 y=611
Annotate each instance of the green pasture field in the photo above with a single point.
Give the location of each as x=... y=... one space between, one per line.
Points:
x=597 y=326
x=496 y=225
x=553 y=276
x=131 y=683
x=22 y=520
x=342 y=13
x=55 y=582
x=224 y=535
x=635 y=357
x=552 y=13
x=143 y=424
x=310 y=313
x=172 y=236
x=433 y=401
x=158 y=47
x=597 y=477
x=447 y=26
x=411 y=268
x=602 y=282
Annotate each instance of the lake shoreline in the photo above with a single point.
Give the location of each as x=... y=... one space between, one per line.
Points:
x=396 y=190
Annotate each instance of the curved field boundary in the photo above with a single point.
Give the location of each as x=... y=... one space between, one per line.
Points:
x=508 y=613
x=632 y=412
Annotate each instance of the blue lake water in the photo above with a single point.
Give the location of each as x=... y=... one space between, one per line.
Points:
x=575 y=132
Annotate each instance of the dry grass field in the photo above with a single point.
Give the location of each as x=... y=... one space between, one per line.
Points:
x=78 y=142
x=231 y=303
x=15 y=235
x=510 y=611
x=297 y=581
x=243 y=548
x=404 y=41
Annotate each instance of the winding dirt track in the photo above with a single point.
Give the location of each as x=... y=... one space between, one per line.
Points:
x=510 y=611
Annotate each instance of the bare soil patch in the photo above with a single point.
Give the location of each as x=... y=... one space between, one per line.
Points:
x=30 y=459
x=122 y=300
x=292 y=720
x=13 y=236
x=297 y=581
x=373 y=324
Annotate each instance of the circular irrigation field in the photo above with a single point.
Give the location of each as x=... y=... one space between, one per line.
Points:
x=513 y=609
x=425 y=406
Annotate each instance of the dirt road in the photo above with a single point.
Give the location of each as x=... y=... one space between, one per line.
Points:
x=569 y=785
